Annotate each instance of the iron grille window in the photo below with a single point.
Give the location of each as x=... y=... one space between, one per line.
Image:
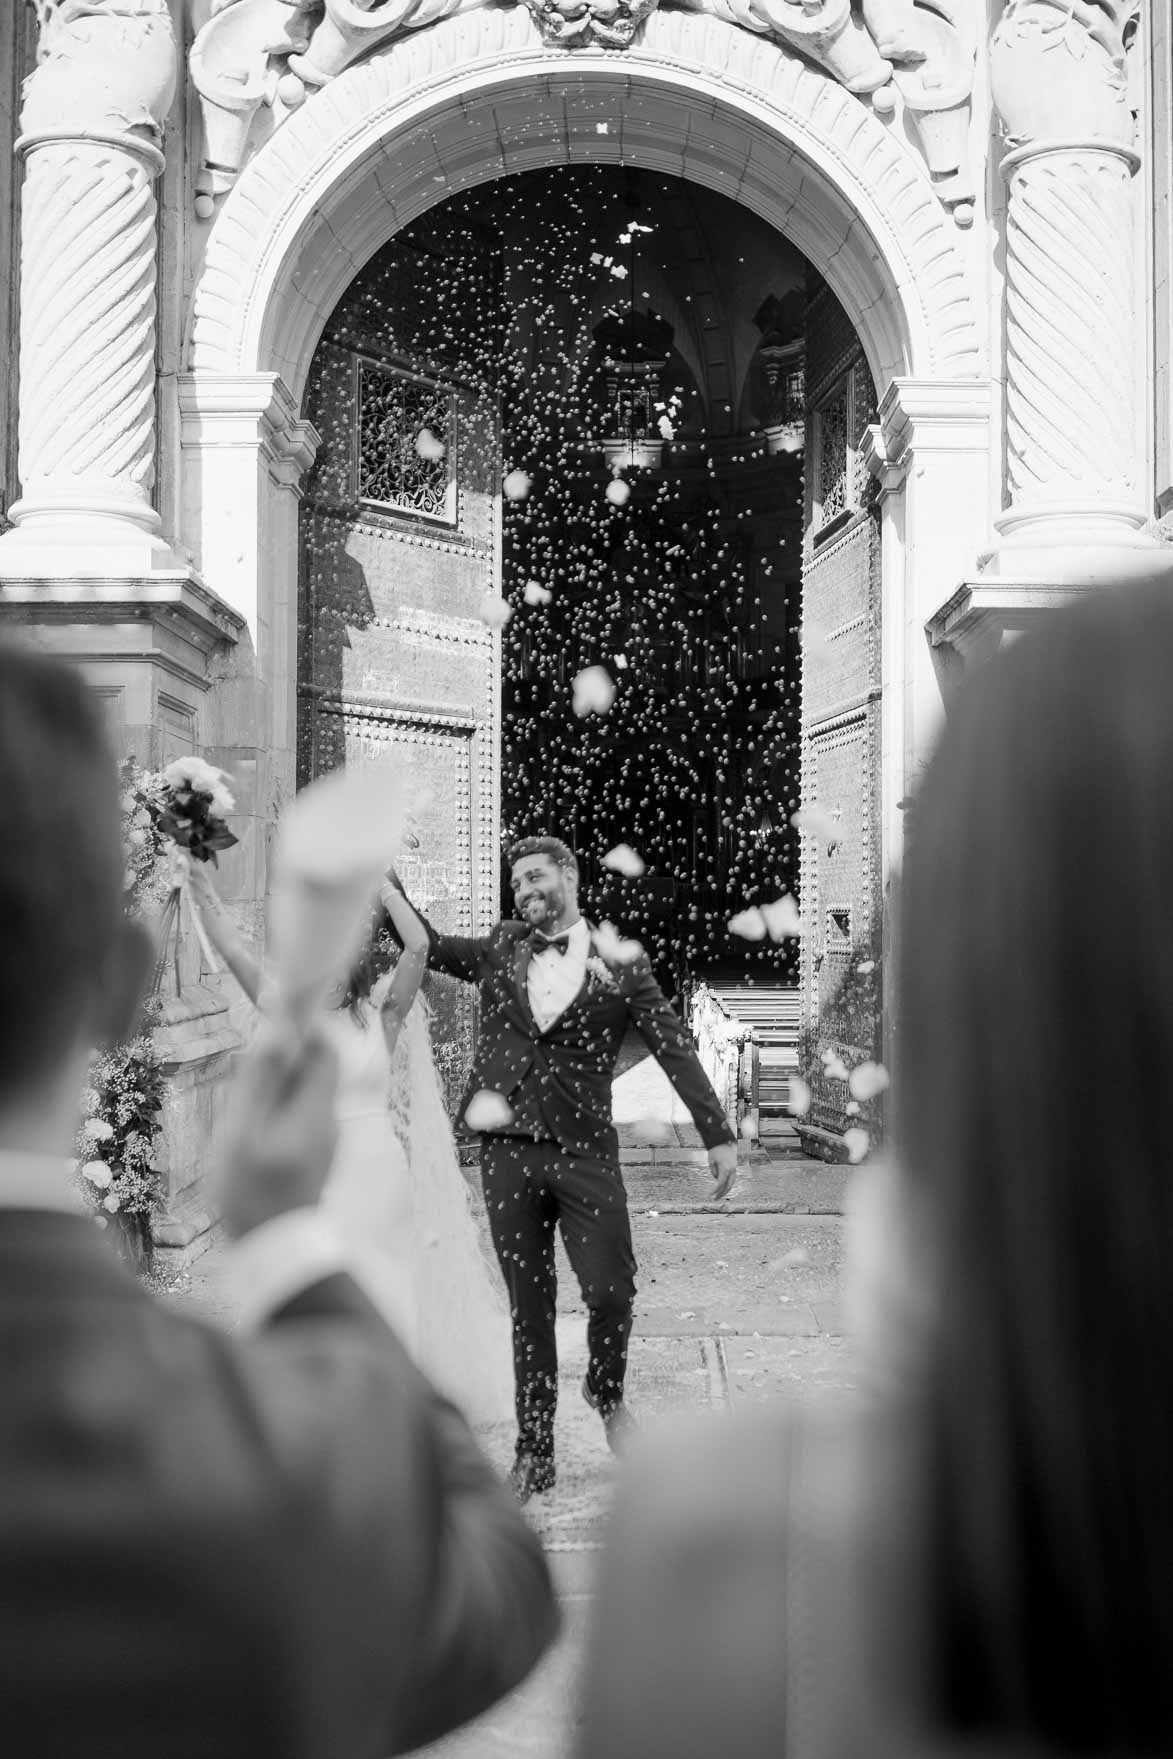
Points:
x=395 y=469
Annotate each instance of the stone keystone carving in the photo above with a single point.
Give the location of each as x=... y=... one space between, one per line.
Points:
x=570 y=23
x=250 y=55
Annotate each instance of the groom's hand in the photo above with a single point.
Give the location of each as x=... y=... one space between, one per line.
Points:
x=723 y=1166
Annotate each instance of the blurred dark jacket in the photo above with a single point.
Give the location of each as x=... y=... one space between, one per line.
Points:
x=221 y=1548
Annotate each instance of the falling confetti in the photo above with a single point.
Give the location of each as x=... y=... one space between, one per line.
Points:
x=782 y=919
x=428 y=446
x=817 y=822
x=749 y=925
x=487 y=1110
x=799 y=1101
x=834 y=1068
x=494 y=611
x=593 y=691
x=866 y=965
x=857 y=1144
x=618 y=492
x=613 y=948
x=867 y=1080
x=517 y=485
x=623 y=859
x=536 y=594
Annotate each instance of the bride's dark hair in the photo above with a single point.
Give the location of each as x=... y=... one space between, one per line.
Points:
x=377 y=957
x=1036 y=1002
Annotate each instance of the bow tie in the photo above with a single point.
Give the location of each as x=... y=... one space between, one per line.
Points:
x=559 y=942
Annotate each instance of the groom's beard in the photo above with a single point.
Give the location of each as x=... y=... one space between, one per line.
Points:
x=541 y=912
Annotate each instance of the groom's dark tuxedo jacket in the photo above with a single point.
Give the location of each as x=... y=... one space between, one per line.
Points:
x=223 y=1548
x=558 y=1081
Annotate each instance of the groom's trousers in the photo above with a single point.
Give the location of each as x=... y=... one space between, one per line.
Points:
x=530 y=1187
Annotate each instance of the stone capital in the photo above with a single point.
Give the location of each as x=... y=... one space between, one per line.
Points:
x=106 y=69
x=1057 y=71
x=248 y=410
x=940 y=415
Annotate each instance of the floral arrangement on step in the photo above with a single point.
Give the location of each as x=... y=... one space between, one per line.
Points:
x=115 y=1146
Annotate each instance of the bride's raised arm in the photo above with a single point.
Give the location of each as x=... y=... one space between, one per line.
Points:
x=220 y=928
x=413 y=960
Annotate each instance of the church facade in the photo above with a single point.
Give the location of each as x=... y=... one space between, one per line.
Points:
x=981 y=193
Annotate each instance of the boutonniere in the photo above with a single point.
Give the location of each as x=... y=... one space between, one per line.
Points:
x=600 y=977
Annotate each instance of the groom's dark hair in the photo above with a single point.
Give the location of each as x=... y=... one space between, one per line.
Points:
x=61 y=866
x=559 y=852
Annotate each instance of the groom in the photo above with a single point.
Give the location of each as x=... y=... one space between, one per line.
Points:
x=553 y=1014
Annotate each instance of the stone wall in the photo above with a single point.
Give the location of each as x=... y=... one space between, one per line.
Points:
x=841 y=874
x=395 y=664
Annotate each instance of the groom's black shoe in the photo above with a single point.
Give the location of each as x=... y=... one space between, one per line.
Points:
x=531 y=1475
x=618 y=1422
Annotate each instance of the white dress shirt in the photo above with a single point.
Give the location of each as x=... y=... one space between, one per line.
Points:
x=554 y=979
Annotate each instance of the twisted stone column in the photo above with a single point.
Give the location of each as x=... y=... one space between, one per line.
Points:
x=1072 y=466
x=91 y=125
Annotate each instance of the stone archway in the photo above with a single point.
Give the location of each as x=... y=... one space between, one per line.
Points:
x=478 y=96
x=474 y=97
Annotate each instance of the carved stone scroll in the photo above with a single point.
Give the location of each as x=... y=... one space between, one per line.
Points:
x=250 y=55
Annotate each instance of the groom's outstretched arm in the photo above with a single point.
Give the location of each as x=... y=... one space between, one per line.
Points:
x=458 y=955
x=660 y=1027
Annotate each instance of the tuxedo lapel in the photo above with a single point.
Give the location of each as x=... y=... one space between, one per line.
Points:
x=523 y=952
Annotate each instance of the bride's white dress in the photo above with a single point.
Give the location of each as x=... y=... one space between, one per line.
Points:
x=397 y=1196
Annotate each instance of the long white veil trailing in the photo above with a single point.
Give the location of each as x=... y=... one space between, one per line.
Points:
x=463 y=1327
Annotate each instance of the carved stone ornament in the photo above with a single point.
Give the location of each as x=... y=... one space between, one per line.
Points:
x=105 y=66
x=1057 y=69
x=251 y=56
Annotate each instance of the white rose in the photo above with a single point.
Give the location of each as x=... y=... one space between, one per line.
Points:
x=99 y=1129
x=98 y=1173
x=111 y=1202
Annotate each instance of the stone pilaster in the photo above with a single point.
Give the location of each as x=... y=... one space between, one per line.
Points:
x=91 y=129
x=1074 y=507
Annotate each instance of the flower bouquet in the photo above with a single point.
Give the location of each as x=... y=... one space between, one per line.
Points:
x=194 y=802
x=191 y=800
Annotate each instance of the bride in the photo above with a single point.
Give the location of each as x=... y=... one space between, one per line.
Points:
x=395 y=1192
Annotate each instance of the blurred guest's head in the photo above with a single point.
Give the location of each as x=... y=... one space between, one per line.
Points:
x=1036 y=1050
x=67 y=975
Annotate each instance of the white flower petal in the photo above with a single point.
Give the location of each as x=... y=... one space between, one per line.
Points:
x=593 y=691
x=487 y=1110
x=834 y=1068
x=749 y=925
x=816 y=821
x=613 y=947
x=623 y=859
x=428 y=446
x=618 y=492
x=494 y=611
x=857 y=1144
x=868 y=1079
x=799 y=1103
x=517 y=485
x=98 y=1173
x=536 y=594
x=782 y=919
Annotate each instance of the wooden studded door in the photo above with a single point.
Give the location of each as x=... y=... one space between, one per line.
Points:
x=400 y=547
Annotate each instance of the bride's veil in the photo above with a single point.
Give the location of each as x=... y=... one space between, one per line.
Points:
x=463 y=1316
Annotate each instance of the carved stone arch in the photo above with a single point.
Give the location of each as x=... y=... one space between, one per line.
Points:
x=479 y=96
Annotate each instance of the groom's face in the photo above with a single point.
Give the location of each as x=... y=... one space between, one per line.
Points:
x=541 y=890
